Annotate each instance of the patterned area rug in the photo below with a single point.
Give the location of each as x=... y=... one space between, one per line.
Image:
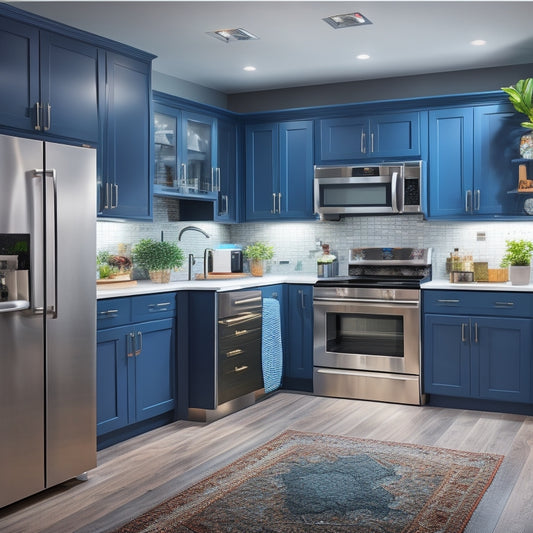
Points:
x=303 y=482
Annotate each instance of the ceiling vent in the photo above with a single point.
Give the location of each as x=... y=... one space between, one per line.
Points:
x=237 y=34
x=345 y=21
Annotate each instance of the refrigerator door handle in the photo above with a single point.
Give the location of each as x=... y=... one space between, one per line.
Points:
x=50 y=195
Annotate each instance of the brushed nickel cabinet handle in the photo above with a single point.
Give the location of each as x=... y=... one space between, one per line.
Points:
x=233 y=353
x=240 y=368
x=37 y=116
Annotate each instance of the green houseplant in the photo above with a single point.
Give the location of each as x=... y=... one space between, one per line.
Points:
x=257 y=253
x=518 y=258
x=158 y=257
x=520 y=96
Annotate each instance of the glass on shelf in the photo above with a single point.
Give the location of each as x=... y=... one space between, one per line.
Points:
x=199 y=177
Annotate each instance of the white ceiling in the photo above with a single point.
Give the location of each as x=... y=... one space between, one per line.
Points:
x=296 y=47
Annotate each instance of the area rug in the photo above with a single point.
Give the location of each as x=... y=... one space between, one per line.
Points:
x=304 y=482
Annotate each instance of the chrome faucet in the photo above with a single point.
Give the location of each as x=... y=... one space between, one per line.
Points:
x=192 y=260
x=191 y=228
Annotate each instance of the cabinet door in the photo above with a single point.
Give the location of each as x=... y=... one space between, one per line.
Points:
x=299 y=360
x=296 y=170
x=153 y=378
x=342 y=139
x=501 y=357
x=262 y=171
x=165 y=147
x=198 y=153
x=19 y=82
x=111 y=379
x=497 y=134
x=447 y=355
x=450 y=175
x=127 y=166
x=394 y=135
x=69 y=88
x=227 y=202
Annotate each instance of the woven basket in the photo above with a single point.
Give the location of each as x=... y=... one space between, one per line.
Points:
x=160 y=276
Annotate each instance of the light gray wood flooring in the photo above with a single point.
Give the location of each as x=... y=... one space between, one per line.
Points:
x=133 y=476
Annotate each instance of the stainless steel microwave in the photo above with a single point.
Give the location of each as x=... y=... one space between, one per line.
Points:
x=380 y=189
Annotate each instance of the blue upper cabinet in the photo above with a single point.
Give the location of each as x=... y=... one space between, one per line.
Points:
x=279 y=171
x=356 y=138
x=126 y=169
x=49 y=83
x=470 y=161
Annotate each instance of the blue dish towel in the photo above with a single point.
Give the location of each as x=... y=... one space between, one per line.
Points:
x=272 y=353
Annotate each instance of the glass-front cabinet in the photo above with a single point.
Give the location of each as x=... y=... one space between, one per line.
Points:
x=185 y=154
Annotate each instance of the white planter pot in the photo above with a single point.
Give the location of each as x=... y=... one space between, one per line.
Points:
x=519 y=275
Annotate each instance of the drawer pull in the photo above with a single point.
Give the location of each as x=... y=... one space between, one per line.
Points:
x=504 y=304
x=109 y=312
x=162 y=304
x=448 y=301
x=241 y=332
x=233 y=353
x=240 y=368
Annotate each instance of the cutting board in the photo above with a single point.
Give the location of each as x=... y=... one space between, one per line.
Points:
x=115 y=283
x=223 y=275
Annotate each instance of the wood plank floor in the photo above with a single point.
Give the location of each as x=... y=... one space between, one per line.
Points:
x=133 y=476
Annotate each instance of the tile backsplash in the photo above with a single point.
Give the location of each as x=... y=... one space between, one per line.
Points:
x=296 y=244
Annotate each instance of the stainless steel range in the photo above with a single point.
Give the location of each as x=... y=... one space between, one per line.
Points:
x=367 y=327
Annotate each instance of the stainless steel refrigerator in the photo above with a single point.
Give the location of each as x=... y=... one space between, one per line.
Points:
x=47 y=315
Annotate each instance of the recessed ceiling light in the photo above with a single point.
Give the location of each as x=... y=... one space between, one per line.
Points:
x=363 y=56
x=249 y=68
x=347 y=20
x=237 y=34
x=478 y=42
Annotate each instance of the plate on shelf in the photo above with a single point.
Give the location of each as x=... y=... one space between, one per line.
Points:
x=528 y=206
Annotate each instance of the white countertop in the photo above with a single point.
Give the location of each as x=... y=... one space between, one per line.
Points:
x=476 y=286
x=149 y=287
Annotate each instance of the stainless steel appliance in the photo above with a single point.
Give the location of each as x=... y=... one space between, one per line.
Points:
x=237 y=377
x=379 y=189
x=47 y=319
x=367 y=327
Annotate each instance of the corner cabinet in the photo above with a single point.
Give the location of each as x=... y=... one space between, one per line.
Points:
x=136 y=351
x=279 y=171
x=470 y=167
x=125 y=180
x=477 y=344
x=49 y=83
x=349 y=139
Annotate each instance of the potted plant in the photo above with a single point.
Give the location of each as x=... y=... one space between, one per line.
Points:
x=257 y=253
x=520 y=96
x=518 y=259
x=158 y=257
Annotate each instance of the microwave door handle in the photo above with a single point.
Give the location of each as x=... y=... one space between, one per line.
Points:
x=394 y=193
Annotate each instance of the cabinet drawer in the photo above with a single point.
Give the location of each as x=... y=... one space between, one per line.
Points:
x=239 y=329
x=239 y=380
x=153 y=306
x=492 y=303
x=247 y=353
x=113 y=312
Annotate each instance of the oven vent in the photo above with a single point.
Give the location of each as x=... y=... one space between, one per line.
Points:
x=237 y=34
x=347 y=20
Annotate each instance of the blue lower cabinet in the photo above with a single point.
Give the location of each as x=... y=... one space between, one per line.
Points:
x=478 y=357
x=136 y=371
x=299 y=354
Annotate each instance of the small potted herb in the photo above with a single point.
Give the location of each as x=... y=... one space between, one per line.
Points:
x=518 y=258
x=158 y=257
x=257 y=253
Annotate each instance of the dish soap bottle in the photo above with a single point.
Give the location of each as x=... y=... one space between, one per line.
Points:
x=4 y=293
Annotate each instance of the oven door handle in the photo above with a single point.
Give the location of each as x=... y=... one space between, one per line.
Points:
x=391 y=303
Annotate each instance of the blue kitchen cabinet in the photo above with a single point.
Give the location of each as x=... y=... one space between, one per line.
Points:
x=356 y=138
x=49 y=83
x=227 y=205
x=279 y=171
x=299 y=357
x=470 y=161
x=125 y=168
x=136 y=377
x=478 y=345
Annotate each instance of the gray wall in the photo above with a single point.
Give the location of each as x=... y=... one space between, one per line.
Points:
x=458 y=82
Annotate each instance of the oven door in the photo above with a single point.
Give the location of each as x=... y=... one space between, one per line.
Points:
x=379 y=336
